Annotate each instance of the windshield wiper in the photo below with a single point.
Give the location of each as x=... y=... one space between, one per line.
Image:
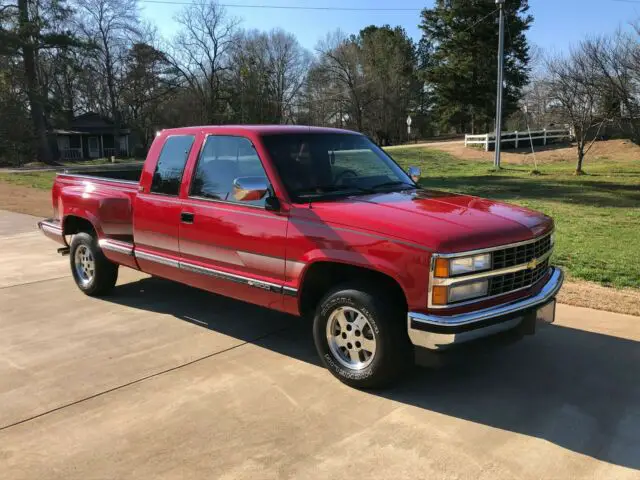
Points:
x=393 y=184
x=328 y=189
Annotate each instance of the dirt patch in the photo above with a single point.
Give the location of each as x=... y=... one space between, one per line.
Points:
x=620 y=150
x=25 y=200
x=592 y=295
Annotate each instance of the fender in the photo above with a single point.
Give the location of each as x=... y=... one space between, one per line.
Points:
x=108 y=210
x=411 y=279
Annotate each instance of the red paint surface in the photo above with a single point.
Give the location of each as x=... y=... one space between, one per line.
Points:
x=393 y=233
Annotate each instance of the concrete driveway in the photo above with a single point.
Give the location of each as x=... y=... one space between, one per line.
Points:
x=164 y=381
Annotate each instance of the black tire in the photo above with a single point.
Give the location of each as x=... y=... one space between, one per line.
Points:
x=104 y=274
x=393 y=350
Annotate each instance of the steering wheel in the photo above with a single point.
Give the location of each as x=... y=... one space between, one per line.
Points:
x=345 y=174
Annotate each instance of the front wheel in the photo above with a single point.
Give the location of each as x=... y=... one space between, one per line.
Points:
x=93 y=273
x=361 y=339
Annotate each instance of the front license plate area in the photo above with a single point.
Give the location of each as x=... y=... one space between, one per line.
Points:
x=547 y=313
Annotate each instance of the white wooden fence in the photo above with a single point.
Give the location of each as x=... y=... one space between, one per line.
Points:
x=517 y=138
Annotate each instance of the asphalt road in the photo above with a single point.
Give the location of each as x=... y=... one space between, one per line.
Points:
x=163 y=381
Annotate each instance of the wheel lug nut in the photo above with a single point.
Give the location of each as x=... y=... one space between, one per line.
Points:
x=357 y=333
x=344 y=335
x=349 y=346
x=348 y=328
x=357 y=344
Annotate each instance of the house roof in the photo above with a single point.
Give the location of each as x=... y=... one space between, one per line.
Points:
x=59 y=131
x=91 y=120
x=90 y=123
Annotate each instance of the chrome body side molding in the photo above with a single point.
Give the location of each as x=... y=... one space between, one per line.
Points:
x=231 y=277
x=116 y=246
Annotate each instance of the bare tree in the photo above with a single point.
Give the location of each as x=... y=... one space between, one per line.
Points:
x=288 y=64
x=268 y=71
x=340 y=57
x=112 y=26
x=617 y=60
x=576 y=88
x=200 y=55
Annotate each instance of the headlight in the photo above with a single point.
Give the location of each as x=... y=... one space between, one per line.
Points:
x=468 y=290
x=461 y=265
x=443 y=295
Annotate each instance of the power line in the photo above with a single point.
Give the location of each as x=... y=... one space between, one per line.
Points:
x=481 y=20
x=289 y=7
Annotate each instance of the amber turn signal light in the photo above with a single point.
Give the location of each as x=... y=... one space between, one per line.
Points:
x=442 y=268
x=439 y=295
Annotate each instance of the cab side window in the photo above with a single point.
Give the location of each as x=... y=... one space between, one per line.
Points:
x=224 y=159
x=173 y=157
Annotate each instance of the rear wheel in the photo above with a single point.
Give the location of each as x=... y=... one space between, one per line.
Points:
x=93 y=273
x=361 y=339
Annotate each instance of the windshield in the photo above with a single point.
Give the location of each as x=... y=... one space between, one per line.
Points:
x=314 y=165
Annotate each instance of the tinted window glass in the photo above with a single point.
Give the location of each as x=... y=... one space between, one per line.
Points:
x=332 y=164
x=168 y=174
x=223 y=160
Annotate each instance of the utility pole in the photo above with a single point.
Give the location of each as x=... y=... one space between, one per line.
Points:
x=496 y=162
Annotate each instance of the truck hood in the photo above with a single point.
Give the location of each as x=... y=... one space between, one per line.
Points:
x=441 y=221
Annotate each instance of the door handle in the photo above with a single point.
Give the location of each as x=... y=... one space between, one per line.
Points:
x=187 y=217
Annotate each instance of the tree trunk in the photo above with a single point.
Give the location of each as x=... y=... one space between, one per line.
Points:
x=113 y=104
x=33 y=92
x=579 y=170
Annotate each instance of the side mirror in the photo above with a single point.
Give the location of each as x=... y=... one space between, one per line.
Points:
x=249 y=189
x=414 y=173
x=272 y=204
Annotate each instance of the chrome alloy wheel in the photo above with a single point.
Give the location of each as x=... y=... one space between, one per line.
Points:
x=85 y=264
x=351 y=339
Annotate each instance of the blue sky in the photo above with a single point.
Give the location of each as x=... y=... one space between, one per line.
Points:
x=558 y=23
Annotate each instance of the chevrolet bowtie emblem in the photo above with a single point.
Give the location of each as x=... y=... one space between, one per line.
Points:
x=532 y=264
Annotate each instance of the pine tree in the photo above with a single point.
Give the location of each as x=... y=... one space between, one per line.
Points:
x=26 y=29
x=461 y=72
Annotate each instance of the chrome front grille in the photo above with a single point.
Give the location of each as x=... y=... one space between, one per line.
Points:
x=520 y=254
x=517 y=280
x=513 y=267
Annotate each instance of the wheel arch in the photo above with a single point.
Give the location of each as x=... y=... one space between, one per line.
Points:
x=320 y=276
x=72 y=224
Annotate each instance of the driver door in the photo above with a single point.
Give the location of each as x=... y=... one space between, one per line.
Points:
x=236 y=248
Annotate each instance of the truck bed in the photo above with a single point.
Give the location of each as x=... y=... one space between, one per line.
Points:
x=130 y=174
x=105 y=193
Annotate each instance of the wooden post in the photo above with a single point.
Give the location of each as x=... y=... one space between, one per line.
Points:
x=465 y=141
x=101 y=154
x=544 y=142
x=516 y=139
x=486 y=142
x=81 y=147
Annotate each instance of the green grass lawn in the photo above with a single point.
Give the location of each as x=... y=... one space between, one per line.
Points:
x=42 y=180
x=597 y=215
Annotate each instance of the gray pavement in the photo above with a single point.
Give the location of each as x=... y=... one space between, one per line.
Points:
x=160 y=380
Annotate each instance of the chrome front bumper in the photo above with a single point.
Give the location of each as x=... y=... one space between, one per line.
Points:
x=439 y=332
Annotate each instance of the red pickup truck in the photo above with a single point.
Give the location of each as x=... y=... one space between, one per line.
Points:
x=314 y=222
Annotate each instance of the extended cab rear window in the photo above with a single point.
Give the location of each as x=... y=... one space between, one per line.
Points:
x=173 y=157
